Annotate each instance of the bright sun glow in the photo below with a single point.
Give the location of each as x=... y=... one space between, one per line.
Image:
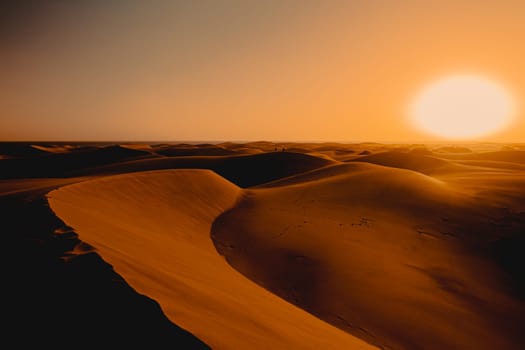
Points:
x=461 y=107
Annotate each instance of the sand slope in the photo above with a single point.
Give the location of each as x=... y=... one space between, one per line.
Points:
x=154 y=228
x=58 y=292
x=383 y=253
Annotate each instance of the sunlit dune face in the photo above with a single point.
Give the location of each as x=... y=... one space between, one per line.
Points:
x=462 y=107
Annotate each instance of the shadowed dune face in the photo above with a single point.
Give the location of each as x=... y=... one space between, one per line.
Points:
x=379 y=252
x=16 y=150
x=194 y=150
x=154 y=228
x=244 y=171
x=62 y=164
x=59 y=292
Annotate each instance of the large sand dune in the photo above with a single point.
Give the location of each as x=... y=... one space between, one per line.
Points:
x=59 y=293
x=375 y=251
x=159 y=239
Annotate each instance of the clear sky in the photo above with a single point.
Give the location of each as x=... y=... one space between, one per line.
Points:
x=245 y=70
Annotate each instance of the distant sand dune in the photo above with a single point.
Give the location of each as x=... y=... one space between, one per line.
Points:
x=191 y=150
x=422 y=163
x=63 y=164
x=244 y=170
x=492 y=164
x=15 y=150
x=504 y=156
x=511 y=156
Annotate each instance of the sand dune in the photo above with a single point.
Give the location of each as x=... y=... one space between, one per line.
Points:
x=379 y=252
x=504 y=156
x=159 y=239
x=54 y=148
x=61 y=164
x=194 y=150
x=245 y=170
x=58 y=293
x=19 y=149
x=330 y=150
x=11 y=187
x=492 y=164
x=452 y=149
x=422 y=163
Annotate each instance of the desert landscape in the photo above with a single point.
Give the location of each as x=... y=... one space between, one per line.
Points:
x=266 y=245
x=272 y=174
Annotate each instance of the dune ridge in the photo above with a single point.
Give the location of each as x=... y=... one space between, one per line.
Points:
x=159 y=240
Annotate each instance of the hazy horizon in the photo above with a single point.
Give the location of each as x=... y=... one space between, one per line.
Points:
x=195 y=142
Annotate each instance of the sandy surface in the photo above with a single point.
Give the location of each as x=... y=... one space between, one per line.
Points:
x=290 y=245
x=376 y=251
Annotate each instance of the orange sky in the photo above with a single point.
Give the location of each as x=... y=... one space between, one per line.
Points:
x=245 y=70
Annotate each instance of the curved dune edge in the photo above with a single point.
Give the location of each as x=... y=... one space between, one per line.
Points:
x=154 y=228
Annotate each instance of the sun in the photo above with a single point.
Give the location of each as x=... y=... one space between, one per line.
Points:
x=462 y=107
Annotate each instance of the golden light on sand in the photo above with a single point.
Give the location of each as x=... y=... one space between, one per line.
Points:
x=462 y=106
